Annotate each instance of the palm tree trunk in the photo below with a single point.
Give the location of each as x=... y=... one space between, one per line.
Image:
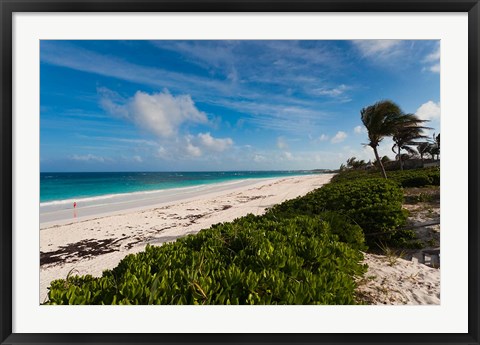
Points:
x=379 y=162
x=400 y=158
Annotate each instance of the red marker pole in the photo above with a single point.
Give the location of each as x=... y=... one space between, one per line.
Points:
x=74 y=204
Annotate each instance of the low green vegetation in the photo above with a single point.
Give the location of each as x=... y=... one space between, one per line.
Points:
x=367 y=206
x=303 y=251
x=406 y=178
x=253 y=260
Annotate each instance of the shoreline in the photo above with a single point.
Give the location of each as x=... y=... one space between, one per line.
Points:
x=62 y=211
x=93 y=243
x=169 y=186
x=59 y=202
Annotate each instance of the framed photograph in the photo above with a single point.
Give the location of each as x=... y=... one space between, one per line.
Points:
x=239 y=172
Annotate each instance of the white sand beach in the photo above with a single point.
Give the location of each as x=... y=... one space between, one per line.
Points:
x=399 y=282
x=55 y=213
x=100 y=236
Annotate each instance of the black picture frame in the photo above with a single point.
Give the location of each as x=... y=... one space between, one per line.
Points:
x=8 y=7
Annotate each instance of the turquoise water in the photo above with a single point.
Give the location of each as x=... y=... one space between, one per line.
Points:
x=57 y=187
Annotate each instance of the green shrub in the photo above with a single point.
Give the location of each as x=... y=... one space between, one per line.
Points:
x=347 y=232
x=340 y=225
x=349 y=175
x=406 y=178
x=417 y=177
x=253 y=260
x=406 y=239
x=373 y=204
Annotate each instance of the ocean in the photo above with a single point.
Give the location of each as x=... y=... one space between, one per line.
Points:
x=63 y=188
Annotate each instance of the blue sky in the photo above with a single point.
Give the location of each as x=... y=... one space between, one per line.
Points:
x=224 y=105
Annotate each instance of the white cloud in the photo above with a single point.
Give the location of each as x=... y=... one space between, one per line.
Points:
x=193 y=150
x=339 y=137
x=435 y=68
x=163 y=113
x=379 y=49
x=112 y=102
x=160 y=113
x=434 y=56
x=88 y=158
x=323 y=137
x=433 y=59
x=359 y=129
x=136 y=141
x=288 y=155
x=334 y=92
x=282 y=143
x=137 y=159
x=196 y=145
x=162 y=153
x=213 y=144
x=429 y=111
x=259 y=158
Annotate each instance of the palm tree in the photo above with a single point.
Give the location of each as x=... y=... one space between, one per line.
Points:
x=381 y=120
x=408 y=130
x=354 y=164
x=436 y=149
x=431 y=147
x=423 y=148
